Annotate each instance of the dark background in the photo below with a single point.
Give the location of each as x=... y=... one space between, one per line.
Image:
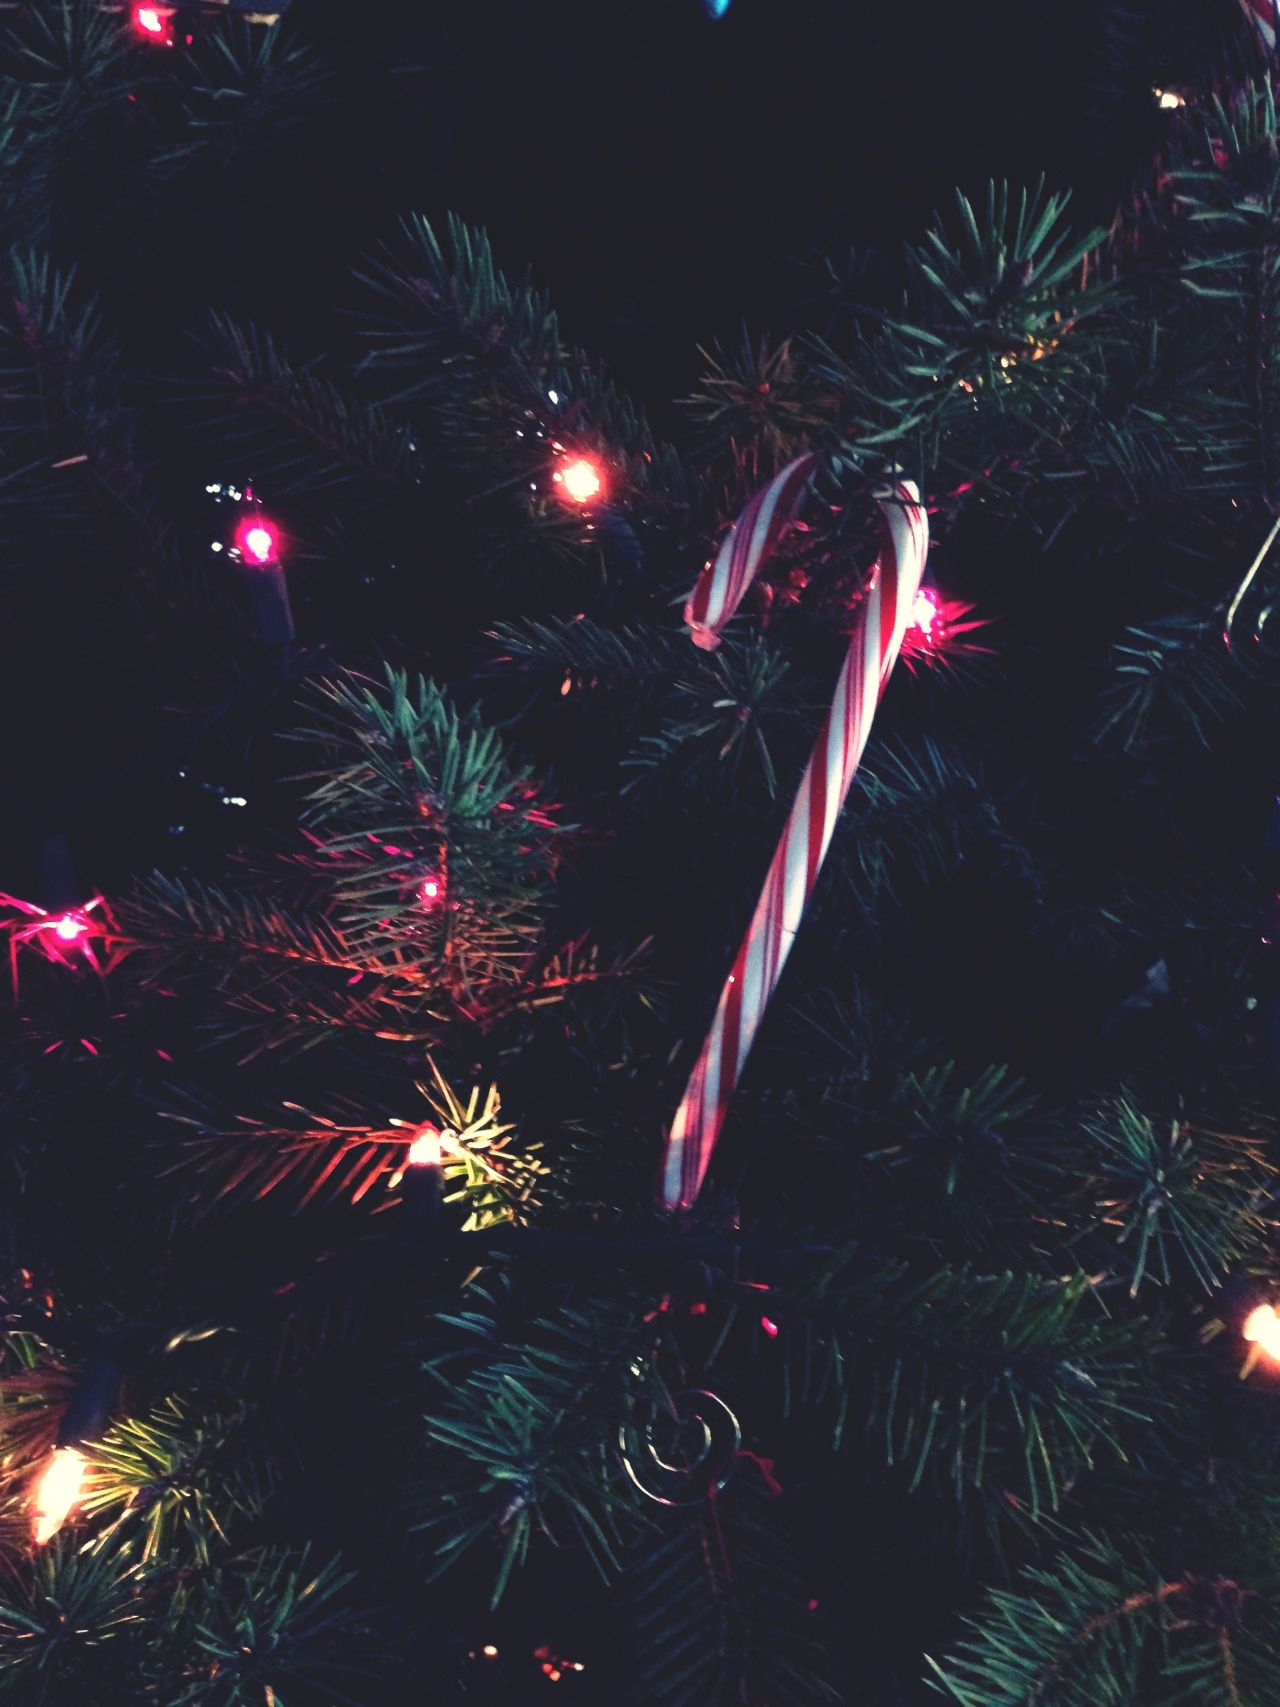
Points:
x=662 y=172
x=671 y=179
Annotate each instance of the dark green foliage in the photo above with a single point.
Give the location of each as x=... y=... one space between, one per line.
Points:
x=1100 y=1630
x=530 y=1435
x=998 y=1187
x=298 y=428
x=1176 y=1198
x=1171 y=675
x=719 y=1611
x=70 y=1625
x=272 y=1623
x=177 y=1475
x=963 y=1371
x=249 y=92
x=65 y=83
x=462 y=815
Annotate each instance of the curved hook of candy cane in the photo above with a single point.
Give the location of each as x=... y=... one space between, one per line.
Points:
x=1251 y=572
x=874 y=643
x=723 y=582
x=1264 y=15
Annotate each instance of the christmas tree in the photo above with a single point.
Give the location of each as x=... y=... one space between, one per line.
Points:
x=379 y=844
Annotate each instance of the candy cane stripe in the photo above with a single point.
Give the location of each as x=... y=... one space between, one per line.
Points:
x=797 y=858
x=1265 y=16
x=725 y=579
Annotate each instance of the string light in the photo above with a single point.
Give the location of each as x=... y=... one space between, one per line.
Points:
x=428 y=1148
x=430 y=891
x=57 y=1492
x=255 y=543
x=553 y=1667
x=940 y=629
x=151 y=23
x=59 y=938
x=581 y=479
x=258 y=541
x=924 y=612
x=1169 y=98
x=1262 y=1331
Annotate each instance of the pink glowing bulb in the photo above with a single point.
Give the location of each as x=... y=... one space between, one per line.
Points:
x=148 y=21
x=258 y=540
x=69 y=928
x=924 y=612
x=581 y=479
x=430 y=890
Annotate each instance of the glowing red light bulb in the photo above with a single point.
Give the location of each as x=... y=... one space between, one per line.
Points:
x=150 y=21
x=581 y=478
x=69 y=928
x=430 y=890
x=259 y=541
x=924 y=612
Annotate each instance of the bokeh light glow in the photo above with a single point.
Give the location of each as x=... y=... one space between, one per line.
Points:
x=581 y=479
x=258 y=540
x=1262 y=1328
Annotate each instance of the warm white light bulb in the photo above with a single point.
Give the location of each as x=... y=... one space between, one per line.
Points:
x=427 y=1149
x=581 y=480
x=58 y=1492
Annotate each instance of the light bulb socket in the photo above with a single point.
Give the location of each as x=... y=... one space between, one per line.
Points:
x=422 y=1190
x=269 y=603
x=57 y=890
x=92 y=1399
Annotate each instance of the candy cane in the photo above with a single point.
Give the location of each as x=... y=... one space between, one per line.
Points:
x=1265 y=17
x=873 y=647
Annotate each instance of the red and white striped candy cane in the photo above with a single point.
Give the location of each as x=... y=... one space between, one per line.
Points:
x=1264 y=15
x=873 y=647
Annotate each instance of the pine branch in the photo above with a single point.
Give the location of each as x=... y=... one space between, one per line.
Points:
x=248 y=94
x=450 y=328
x=273 y=1624
x=1000 y=1383
x=1177 y=1202
x=1171 y=677
x=1101 y=1629
x=717 y=1613
x=299 y=432
x=530 y=1426
x=313 y=1157
x=437 y=849
x=176 y=1479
